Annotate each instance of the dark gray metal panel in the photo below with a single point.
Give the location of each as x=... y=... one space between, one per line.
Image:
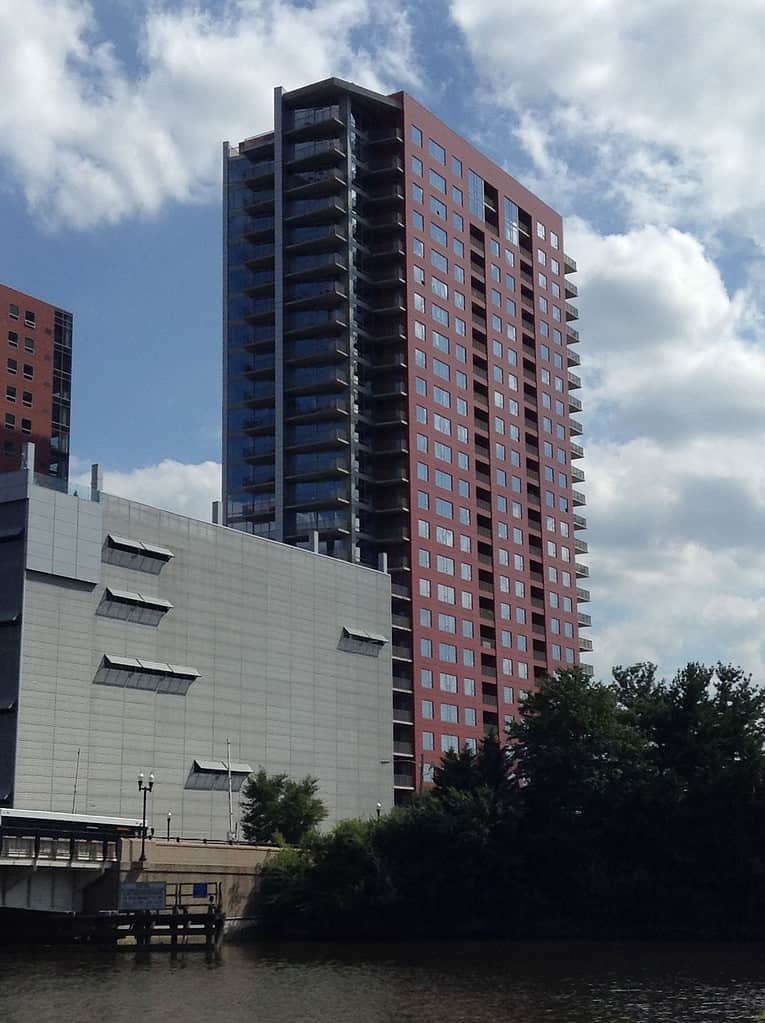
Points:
x=13 y=520
x=353 y=340
x=279 y=312
x=224 y=458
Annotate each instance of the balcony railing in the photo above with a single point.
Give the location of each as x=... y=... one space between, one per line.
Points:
x=569 y=264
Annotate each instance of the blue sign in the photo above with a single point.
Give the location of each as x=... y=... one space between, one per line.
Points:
x=200 y=890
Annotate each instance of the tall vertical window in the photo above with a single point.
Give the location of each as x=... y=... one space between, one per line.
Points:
x=511 y=221
x=475 y=190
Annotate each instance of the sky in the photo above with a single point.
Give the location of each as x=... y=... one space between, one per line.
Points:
x=644 y=124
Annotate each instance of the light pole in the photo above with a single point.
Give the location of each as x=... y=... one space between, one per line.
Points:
x=146 y=789
x=169 y=818
x=379 y=810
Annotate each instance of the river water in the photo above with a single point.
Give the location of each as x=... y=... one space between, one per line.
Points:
x=457 y=982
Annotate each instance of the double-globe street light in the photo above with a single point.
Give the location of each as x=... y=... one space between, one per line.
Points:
x=146 y=789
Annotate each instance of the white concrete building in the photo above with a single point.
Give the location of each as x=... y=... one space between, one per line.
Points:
x=145 y=640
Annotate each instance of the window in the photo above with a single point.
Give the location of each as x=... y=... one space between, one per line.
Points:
x=468 y=716
x=442 y=397
x=10 y=421
x=541 y=233
x=13 y=311
x=447 y=652
x=417 y=193
x=439 y=262
x=449 y=743
x=553 y=240
x=456 y=195
x=416 y=135
x=29 y=371
x=10 y=393
x=13 y=339
x=475 y=194
x=427 y=709
x=437 y=152
x=439 y=288
x=27 y=399
x=446 y=594
x=13 y=366
x=445 y=565
x=437 y=207
x=448 y=682
x=428 y=741
x=443 y=479
x=418 y=247
x=438 y=182
x=29 y=345
x=438 y=235
x=418 y=220
x=512 y=220
x=449 y=713
x=417 y=166
x=456 y=167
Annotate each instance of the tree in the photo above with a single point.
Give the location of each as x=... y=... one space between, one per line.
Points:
x=277 y=809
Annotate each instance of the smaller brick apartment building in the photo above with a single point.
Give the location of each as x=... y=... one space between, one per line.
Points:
x=35 y=382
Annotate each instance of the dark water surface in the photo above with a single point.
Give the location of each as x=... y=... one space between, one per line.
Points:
x=424 y=983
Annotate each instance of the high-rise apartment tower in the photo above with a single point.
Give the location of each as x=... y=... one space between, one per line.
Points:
x=398 y=385
x=35 y=382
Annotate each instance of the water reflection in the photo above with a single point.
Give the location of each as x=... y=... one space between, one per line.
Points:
x=405 y=983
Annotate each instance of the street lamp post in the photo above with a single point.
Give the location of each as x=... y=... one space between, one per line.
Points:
x=146 y=789
x=379 y=810
x=169 y=818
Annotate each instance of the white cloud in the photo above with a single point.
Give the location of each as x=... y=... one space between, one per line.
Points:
x=663 y=94
x=674 y=371
x=170 y=485
x=91 y=141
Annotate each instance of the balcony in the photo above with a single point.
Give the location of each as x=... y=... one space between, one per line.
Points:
x=582 y=571
x=572 y=335
x=580 y=546
x=314 y=211
x=313 y=183
x=578 y=498
x=572 y=358
x=588 y=669
x=585 y=644
x=571 y=290
x=577 y=474
x=582 y=595
x=577 y=451
x=574 y=404
x=569 y=264
x=403 y=781
x=307 y=409
x=575 y=428
x=580 y=522
x=403 y=749
x=401 y=653
x=584 y=620
x=316 y=153
x=574 y=381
